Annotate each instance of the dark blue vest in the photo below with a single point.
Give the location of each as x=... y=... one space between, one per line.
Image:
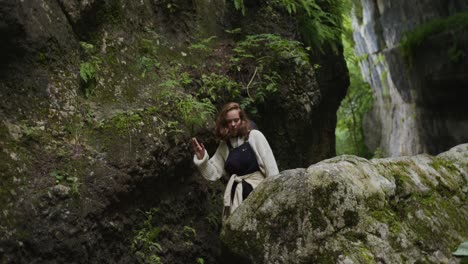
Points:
x=241 y=161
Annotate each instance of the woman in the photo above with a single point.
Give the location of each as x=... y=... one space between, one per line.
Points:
x=243 y=154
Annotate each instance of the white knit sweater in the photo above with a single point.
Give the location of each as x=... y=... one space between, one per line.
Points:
x=212 y=169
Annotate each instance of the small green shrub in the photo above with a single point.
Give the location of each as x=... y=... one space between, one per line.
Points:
x=62 y=177
x=190 y=232
x=123 y=122
x=194 y=113
x=218 y=88
x=144 y=243
x=89 y=68
x=147 y=64
x=203 y=46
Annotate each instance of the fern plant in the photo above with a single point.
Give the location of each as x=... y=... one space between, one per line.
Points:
x=144 y=243
x=319 y=20
x=89 y=68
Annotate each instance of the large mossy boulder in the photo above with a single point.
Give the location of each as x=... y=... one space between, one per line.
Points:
x=352 y=210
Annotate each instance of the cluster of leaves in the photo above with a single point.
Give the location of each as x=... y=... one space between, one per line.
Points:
x=147 y=64
x=320 y=21
x=31 y=133
x=144 y=244
x=218 y=88
x=267 y=53
x=203 y=45
x=358 y=101
x=413 y=39
x=64 y=178
x=89 y=68
x=124 y=122
x=190 y=111
x=268 y=49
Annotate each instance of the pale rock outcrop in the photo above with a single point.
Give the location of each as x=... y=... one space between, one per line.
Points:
x=352 y=210
x=418 y=105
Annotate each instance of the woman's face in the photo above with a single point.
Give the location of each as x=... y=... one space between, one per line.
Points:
x=233 y=121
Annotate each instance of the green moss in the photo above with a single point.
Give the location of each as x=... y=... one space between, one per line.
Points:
x=444 y=215
x=443 y=189
x=413 y=39
x=351 y=218
x=440 y=163
x=375 y=201
x=356 y=236
x=324 y=257
x=322 y=195
x=390 y=218
x=402 y=182
x=317 y=219
x=358 y=10
x=243 y=244
x=365 y=255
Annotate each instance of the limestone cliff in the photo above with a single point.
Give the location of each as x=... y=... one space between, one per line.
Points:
x=352 y=210
x=419 y=95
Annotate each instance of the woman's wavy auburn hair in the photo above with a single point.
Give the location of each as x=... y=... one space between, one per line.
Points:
x=222 y=129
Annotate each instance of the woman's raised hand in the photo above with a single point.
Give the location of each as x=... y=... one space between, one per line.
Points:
x=198 y=148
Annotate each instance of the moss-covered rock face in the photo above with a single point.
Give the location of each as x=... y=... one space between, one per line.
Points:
x=352 y=210
x=100 y=99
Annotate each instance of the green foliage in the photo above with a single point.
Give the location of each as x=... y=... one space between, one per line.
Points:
x=124 y=122
x=194 y=113
x=218 y=88
x=190 y=112
x=268 y=53
x=439 y=163
x=147 y=64
x=267 y=49
x=379 y=153
x=358 y=100
x=319 y=21
x=144 y=243
x=203 y=45
x=200 y=261
x=190 y=232
x=358 y=10
x=456 y=53
x=31 y=133
x=214 y=220
x=64 y=178
x=87 y=71
x=147 y=46
x=412 y=40
x=239 y=5
x=233 y=31
x=89 y=68
x=266 y=87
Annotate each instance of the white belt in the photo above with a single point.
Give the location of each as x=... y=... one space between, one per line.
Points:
x=253 y=179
